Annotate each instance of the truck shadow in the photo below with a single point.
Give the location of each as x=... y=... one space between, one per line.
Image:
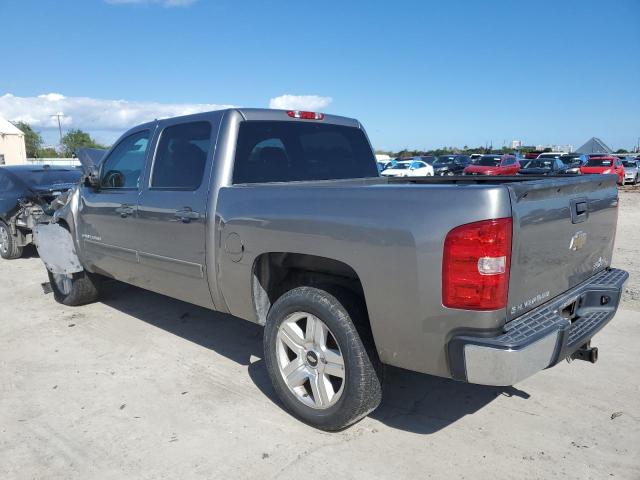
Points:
x=412 y=402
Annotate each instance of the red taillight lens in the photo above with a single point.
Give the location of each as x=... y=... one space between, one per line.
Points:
x=305 y=115
x=475 y=265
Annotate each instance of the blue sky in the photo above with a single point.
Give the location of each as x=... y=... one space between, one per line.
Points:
x=418 y=74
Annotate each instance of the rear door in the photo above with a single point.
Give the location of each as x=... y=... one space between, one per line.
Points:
x=172 y=212
x=563 y=233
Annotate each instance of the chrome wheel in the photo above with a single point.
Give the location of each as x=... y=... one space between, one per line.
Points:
x=4 y=239
x=63 y=282
x=310 y=360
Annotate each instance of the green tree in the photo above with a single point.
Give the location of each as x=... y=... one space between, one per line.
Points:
x=75 y=139
x=48 y=152
x=621 y=150
x=32 y=139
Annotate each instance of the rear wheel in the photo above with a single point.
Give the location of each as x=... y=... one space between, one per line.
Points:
x=74 y=289
x=9 y=249
x=325 y=373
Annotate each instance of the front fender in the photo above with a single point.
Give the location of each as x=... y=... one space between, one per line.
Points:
x=56 y=248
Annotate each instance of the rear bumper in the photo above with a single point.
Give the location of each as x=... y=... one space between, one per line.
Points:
x=540 y=338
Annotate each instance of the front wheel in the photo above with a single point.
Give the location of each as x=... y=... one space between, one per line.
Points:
x=74 y=289
x=320 y=367
x=9 y=249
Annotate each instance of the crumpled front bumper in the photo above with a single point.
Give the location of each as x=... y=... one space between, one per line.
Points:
x=540 y=338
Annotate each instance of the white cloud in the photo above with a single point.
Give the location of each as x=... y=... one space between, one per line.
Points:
x=164 y=3
x=91 y=113
x=300 y=102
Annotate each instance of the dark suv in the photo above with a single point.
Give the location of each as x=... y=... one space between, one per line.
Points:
x=450 y=164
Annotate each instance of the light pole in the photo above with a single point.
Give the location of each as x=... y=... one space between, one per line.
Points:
x=58 y=115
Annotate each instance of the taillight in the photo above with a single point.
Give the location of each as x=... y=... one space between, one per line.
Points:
x=475 y=265
x=305 y=115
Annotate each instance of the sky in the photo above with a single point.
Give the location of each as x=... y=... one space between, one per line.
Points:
x=417 y=74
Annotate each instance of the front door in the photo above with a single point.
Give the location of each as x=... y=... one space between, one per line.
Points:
x=172 y=216
x=107 y=220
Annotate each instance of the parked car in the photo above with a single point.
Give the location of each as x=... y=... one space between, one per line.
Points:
x=573 y=161
x=532 y=155
x=409 y=168
x=450 y=164
x=549 y=155
x=631 y=171
x=494 y=164
x=26 y=193
x=281 y=218
x=604 y=165
x=542 y=166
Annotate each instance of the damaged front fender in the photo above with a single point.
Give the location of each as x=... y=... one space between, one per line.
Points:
x=56 y=248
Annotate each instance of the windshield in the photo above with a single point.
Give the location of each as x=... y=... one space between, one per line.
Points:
x=537 y=163
x=444 y=160
x=599 y=162
x=549 y=155
x=283 y=151
x=629 y=163
x=46 y=177
x=400 y=166
x=488 y=161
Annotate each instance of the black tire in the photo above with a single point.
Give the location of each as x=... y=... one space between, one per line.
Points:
x=83 y=288
x=9 y=249
x=342 y=313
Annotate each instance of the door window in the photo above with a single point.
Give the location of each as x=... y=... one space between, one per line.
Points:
x=123 y=167
x=181 y=156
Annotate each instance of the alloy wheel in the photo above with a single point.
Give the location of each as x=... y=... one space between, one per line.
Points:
x=310 y=360
x=63 y=282
x=4 y=239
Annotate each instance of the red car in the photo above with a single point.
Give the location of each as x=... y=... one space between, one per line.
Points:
x=607 y=165
x=493 y=165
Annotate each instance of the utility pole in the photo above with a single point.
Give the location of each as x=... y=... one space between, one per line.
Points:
x=58 y=115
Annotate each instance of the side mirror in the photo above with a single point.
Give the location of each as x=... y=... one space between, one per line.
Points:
x=92 y=178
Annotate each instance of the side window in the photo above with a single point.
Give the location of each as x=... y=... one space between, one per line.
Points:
x=181 y=156
x=509 y=161
x=123 y=167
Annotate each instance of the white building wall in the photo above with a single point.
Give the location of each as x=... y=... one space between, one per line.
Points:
x=13 y=149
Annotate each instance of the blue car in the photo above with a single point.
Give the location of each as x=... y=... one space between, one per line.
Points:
x=26 y=193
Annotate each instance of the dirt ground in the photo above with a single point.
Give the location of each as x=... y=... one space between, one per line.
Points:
x=143 y=386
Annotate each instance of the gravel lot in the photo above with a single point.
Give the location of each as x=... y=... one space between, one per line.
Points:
x=143 y=386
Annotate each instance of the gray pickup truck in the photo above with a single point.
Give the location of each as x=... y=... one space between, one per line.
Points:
x=281 y=218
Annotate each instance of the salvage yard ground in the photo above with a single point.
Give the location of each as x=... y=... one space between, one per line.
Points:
x=143 y=386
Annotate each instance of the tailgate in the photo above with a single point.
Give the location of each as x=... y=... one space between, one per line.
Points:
x=563 y=233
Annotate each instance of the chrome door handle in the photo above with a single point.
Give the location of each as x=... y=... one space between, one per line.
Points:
x=125 y=210
x=185 y=215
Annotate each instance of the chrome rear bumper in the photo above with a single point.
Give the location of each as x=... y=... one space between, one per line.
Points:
x=540 y=338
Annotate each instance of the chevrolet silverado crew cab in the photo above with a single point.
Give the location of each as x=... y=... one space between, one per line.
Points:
x=281 y=218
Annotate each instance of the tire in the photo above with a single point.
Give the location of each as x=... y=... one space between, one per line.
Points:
x=74 y=289
x=335 y=377
x=9 y=249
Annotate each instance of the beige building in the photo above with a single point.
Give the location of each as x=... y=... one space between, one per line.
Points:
x=12 y=148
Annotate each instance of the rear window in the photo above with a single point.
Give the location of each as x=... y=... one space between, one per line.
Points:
x=488 y=161
x=46 y=177
x=272 y=151
x=598 y=162
x=539 y=163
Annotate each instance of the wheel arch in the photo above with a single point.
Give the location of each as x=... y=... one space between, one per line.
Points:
x=275 y=273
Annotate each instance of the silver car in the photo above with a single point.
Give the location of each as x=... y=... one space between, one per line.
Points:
x=631 y=172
